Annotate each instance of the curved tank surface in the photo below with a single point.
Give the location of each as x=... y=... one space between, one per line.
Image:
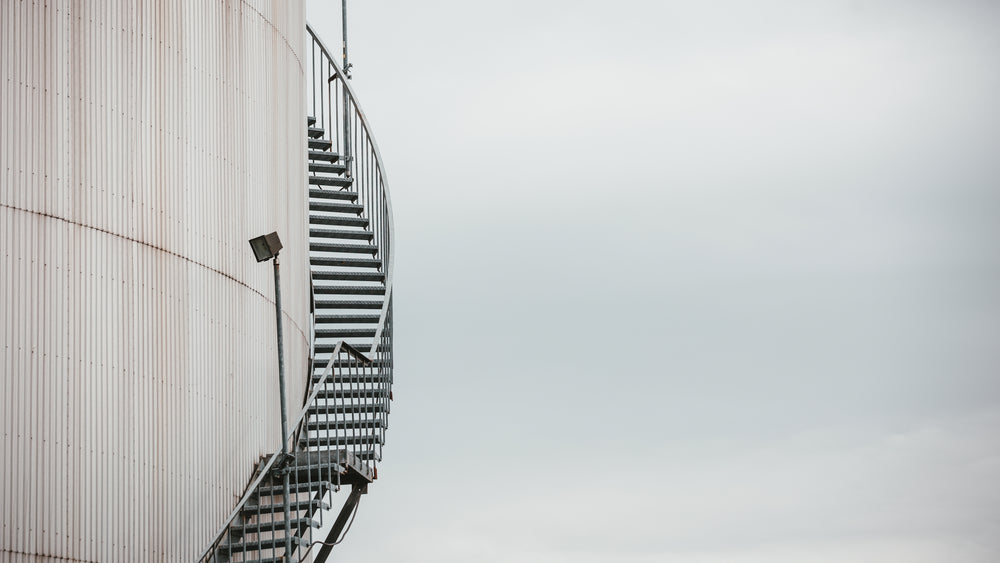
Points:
x=141 y=145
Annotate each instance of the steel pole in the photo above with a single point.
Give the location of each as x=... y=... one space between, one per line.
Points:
x=284 y=410
x=281 y=355
x=345 y=95
x=343 y=19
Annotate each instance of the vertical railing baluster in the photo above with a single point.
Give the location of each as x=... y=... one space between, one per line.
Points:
x=313 y=83
x=357 y=430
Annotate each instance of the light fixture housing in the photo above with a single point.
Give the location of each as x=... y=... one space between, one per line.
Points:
x=265 y=247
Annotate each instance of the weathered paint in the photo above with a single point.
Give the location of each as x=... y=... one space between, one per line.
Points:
x=142 y=143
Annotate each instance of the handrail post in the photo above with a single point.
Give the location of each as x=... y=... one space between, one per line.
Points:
x=348 y=159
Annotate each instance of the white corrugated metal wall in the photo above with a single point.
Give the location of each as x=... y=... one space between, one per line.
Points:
x=141 y=144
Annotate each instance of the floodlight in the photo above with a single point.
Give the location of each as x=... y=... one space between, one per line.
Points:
x=265 y=247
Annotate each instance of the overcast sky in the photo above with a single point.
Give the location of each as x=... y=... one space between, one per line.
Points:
x=687 y=281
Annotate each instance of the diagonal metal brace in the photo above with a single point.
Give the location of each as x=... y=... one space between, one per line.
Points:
x=345 y=514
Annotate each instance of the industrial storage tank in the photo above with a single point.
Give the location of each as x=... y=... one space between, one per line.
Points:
x=142 y=143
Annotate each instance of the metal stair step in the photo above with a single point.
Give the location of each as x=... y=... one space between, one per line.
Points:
x=296 y=505
x=348 y=304
x=344 y=366
x=341 y=234
x=339 y=181
x=335 y=207
x=278 y=559
x=349 y=393
x=345 y=195
x=322 y=465
x=334 y=442
x=366 y=408
x=277 y=525
x=263 y=544
x=279 y=489
x=346 y=262
x=338 y=221
x=346 y=248
x=341 y=333
x=321 y=144
x=330 y=315
x=341 y=364
x=310 y=120
x=324 y=155
x=314 y=132
x=338 y=319
x=319 y=470
x=327 y=168
x=346 y=377
x=328 y=348
x=345 y=289
x=371 y=423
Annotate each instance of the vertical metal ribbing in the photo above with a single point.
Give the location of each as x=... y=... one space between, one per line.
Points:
x=92 y=204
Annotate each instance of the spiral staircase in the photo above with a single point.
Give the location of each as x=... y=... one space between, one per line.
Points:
x=290 y=510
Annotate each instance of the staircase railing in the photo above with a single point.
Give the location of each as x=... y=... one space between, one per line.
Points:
x=324 y=459
x=338 y=433
x=333 y=103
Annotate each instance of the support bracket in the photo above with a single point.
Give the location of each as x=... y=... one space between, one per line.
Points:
x=345 y=514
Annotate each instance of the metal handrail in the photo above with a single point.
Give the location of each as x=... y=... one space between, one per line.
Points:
x=261 y=475
x=383 y=317
x=341 y=346
x=265 y=471
x=367 y=172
